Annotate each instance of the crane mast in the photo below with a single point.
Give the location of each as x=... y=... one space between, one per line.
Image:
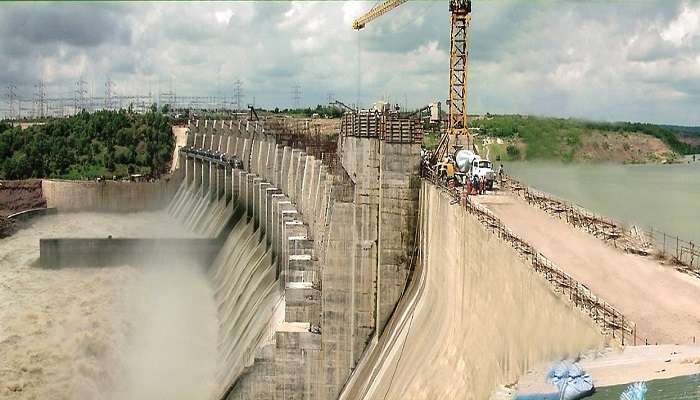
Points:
x=459 y=51
x=460 y=14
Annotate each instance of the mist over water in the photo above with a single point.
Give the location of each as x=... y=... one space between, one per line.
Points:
x=666 y=197
x=171 y=353
x=110 y=333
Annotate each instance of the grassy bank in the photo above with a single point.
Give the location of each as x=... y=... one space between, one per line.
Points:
x=516 y=137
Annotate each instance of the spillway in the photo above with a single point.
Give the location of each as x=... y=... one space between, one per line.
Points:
x=243 y=277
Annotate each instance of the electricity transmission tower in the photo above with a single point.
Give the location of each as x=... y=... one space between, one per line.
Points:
x=80 y=94
x=296 y=95
x=40 y=98
x=331 y=97
x=11 y=97
x=238 y=93
x=169 y=96
x=109 y=92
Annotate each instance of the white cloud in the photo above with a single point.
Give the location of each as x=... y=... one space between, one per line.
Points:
x=223 y=17
x=684 y=27
x=567 y=58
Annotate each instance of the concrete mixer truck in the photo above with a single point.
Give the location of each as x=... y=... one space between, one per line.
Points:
x=470 y=164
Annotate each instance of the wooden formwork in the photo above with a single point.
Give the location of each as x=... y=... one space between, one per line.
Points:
x=396 y=129
x=392 y=128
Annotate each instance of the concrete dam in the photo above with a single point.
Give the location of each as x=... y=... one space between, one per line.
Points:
x=353 y=278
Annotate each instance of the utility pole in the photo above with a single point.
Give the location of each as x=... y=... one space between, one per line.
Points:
x=238 y=93
x=11 y=97
x=109 y=92
x=40 y=98
x=296 y=95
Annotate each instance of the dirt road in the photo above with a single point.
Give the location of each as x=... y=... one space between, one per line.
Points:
x=662 y=301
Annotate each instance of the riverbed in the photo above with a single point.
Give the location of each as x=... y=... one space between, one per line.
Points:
x=666 y=197
x=111 y=333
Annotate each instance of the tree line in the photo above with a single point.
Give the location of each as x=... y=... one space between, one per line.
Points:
x=88 y=145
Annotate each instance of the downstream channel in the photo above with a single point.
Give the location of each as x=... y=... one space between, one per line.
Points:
x=114 y=333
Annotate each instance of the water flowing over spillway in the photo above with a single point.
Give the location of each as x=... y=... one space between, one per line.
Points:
x=243 y=276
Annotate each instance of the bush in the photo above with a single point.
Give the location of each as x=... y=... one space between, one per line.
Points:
x=513 y=152
x=87 y=145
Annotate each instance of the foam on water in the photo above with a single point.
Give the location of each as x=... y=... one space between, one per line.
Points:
x=115 y=333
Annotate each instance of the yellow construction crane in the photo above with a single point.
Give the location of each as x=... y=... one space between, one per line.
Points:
x=460 y=11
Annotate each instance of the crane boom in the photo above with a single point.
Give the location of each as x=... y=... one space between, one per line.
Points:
x=375 y=12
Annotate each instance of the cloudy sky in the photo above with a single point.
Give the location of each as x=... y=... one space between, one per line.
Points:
x=624 y=60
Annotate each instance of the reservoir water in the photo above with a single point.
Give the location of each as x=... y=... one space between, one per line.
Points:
x=666 y=197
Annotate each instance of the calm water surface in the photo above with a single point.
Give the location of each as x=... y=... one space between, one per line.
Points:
x=664 y=196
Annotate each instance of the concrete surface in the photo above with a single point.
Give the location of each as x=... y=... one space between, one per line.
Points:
x=106 y=196
x=475 y=316
x=75 y=252
x=662 y=302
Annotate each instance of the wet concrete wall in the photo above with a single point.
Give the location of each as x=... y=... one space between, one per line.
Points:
x=107 y=196
x=475 y=316
x=335 y=235
x=74 y=252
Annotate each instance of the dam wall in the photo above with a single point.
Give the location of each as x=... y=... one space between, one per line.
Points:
x=107 y=196
x=77 y=252
x=312 y=281
x=475 y=315
x=329 y=237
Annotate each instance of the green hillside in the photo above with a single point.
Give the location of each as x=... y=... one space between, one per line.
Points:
x=528 y=137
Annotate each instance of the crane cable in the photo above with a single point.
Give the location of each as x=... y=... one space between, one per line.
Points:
x=359 y=71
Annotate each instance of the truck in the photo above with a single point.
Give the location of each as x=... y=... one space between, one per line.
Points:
x=470 y=164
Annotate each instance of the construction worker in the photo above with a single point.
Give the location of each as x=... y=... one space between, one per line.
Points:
x=450 y=170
